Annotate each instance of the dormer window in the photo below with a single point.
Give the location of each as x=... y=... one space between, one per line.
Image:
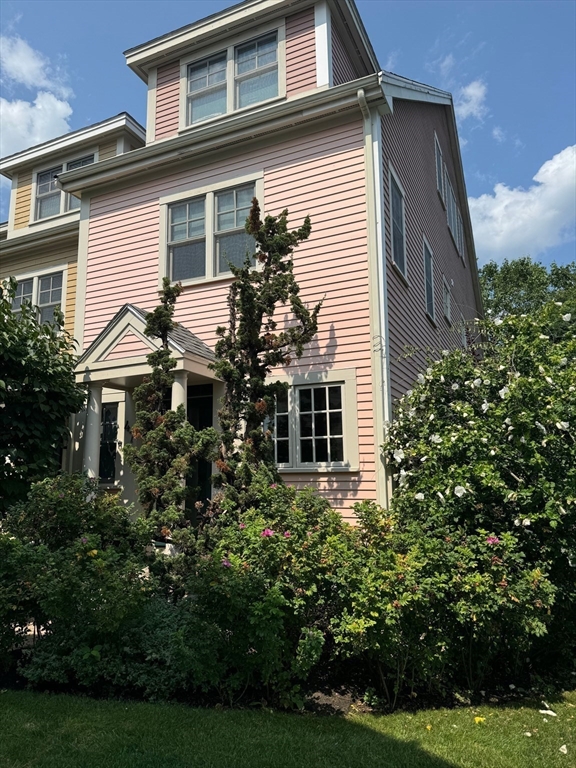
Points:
x=51 y=201
x=233 y=79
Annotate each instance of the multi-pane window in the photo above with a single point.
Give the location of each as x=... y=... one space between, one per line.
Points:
x=51 y=201
x=320 y=424
x=256 y=71
x=398 y=245
x=108 y=443
x=428 y=280
x=453 y=215
x=282 y=429
x=233 y=244
x=44 y=291
x=447 y=301
x=439 y=169
x=206 y=234
x=238 y=77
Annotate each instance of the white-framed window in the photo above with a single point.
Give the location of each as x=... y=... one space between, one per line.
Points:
x=397 y=224
x=453 y=215
x=447 y=300
x=51 y=201
x=205 y=230
x=428 y=279
x=43 y=290
x=439 y=168
x=245 y=73
x=315 y=425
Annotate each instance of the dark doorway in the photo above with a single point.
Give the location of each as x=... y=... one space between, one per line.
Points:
x=200 y=405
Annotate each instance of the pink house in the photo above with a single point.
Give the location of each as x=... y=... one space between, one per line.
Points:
x=285 y=100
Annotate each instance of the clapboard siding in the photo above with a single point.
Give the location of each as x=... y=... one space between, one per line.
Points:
x=23 y=200
x=332 y=264
x=71 y=285
x=300 y=52
x=342 y=68
x=408 y=146
x=167 y=100
x=107 y=150
x=129 y=346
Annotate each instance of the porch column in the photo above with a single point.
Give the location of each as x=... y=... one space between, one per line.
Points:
x=180 y=390
x=92 y=436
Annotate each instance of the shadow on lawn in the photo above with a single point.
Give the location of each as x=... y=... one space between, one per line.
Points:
x=68 y=731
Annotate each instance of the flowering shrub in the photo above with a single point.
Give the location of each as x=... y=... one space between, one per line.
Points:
x=484 y=454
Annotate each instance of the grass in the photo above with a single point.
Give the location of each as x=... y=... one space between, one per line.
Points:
x=58 y=731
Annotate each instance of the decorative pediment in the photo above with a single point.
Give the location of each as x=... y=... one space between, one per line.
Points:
x=129 y=345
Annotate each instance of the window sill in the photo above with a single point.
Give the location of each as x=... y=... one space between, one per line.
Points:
x=188 y=128
x=57 y=217
x=201 y=281
x=448 y=321
x=400 y=274
x=320 y=470
x=430 y=319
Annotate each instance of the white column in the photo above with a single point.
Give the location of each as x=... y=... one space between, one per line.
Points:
x=180 y=390
x=92 y=436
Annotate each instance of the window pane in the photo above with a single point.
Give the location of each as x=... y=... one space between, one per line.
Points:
x=179 y=232
x=306 y=451
x=178 y=213
x=282 y=402
x=225 y=201
x=49 y=206
x=245 y=58
x=398 y=246
x=282 y=425
x=226 y=221
x=234 y=249
x=244 y=196
x=334 y=398
x=257 y=88
x=320 y=425
x=305 y=399
x=305 y=425
x=196 y=228
x=73 y=203
x=320 y=399
x=23 y=294
x=321 y=450
x=188 y=261
x=47 y=313
x=282 y=452
x=83 y=161
x=336 y=423
x=336 y=449
x=207 y=105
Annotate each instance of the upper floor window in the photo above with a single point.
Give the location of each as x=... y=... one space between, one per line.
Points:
x=51 y=201
x=453 y=214
x=429 y=280
x=206 y=233
x=43 y=291
x=447 y=300
x=398 y=235
x=232 y=79
x=439 y=168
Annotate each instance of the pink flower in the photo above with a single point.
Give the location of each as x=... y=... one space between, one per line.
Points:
x=286 y=534
x=493 y=540
x=84 y=540
x=242 y=526
x=226 y=563
x=267 y=532
x=274 y=485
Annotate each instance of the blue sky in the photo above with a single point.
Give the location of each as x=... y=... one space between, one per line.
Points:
x=511 y=66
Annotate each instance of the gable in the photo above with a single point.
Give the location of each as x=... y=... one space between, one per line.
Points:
x=127 y=345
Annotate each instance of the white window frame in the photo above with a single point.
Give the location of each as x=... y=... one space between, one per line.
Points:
x=447 y=304
x=253 y=34
x=346 y=378
x=439 y=181
x=64 y=196
x=209 y=192
x=426 y=247
x=453 y=215
x=35 y=277
x=393 y=177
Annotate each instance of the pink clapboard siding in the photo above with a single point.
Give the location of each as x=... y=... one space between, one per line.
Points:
x=409 y=149
x=342 y=68
x=128 y=346
x=300 y=52
x=321 y=174
x=167 y=100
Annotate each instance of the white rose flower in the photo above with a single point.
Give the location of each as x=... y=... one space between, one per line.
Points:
x=428 y=371
x=398 y=455
x=567 y=317
x=403 y=477
x=459 y=491
x=564 y=361
x=435 y=439
x=541 y=427
x=455 y=386
x=477 y=382
x=483 y=439
x=419 y=496
x=445 y=352
x=543 y=337
x=526 y=522
x=503 y=392
x=423 y=459
x=442 y=379
x=498 y=321
x=421 y=378
x=440 y=496
x=486 y=382
x=485 y=406
x=563 y=425
x=548 y=379
x=517 y=521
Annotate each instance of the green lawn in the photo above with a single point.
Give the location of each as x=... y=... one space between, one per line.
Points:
x=49 y=731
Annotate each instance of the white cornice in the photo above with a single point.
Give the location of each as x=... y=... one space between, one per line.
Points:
x=45 y=237
x=122 y=122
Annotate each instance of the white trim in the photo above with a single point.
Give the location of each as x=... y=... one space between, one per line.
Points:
x=426 y=245
x=323 y=38
x=347 y=378
x=393 y=175
x=229 y=48
x=446 y=285
x=151 y=105
x=12 y=204
x=81 y=276
x=208 y=191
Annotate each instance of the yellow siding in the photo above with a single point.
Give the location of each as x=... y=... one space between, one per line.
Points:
x=70 y=308
x=23 y=200
x=107 y=150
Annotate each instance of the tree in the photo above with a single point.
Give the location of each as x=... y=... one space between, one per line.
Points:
x=168 y=445
x=523 y=286
x=37 y=395
x=252 y=345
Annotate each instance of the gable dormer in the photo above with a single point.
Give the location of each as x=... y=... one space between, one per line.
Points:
x=247 y=57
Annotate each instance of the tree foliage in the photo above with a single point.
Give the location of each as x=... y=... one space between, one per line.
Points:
x=37 y=395
x=524 y=286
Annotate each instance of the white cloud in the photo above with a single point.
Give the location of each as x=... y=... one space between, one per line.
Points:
x=498 y=134
x=446 y=65
x=22 y=65
x=516 y=222
x=391 y=61
x=470 y=101
x=25 y=123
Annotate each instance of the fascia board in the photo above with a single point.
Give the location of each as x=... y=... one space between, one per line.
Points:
x=346 y=13
x=236 y=128
x=62 y=143
x=399 y=88
x=43 y=236
x=226 y=23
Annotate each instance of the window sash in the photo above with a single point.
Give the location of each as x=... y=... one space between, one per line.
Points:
x=439 y=169
x=429 y=280
x=397 y=210
x=42 y=291
x=320 y=424
x=447 y=301
x=48 y=197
